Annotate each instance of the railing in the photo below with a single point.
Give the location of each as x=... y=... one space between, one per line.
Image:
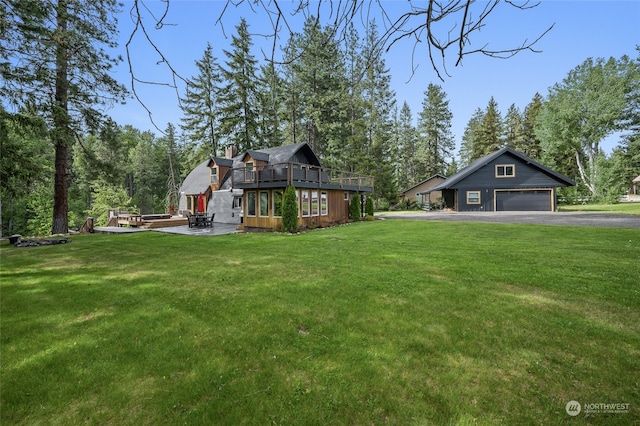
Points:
x=288 y=173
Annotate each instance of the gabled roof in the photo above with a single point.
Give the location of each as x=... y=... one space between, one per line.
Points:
x=257 y=155
x=224 y=162
x=284 y=154
x=637 y=179
x=481 y=162
x=437 y=175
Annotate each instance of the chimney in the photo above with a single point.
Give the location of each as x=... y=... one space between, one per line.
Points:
x=230 y=151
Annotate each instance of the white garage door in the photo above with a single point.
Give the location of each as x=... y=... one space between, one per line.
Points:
x=518 y=200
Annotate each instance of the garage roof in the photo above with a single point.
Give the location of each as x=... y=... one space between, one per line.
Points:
x=481 y=162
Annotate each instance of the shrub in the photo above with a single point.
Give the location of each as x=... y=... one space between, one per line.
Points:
x=354 y=207
x=368 y=207
x=289 y=210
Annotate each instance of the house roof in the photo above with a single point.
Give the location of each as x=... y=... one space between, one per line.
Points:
x=637 y=179
x=437 y=175
x=198 y=180
x=224 y=162
x=481 y=162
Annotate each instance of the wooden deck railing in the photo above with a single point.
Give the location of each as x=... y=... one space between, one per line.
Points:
x=288 y=173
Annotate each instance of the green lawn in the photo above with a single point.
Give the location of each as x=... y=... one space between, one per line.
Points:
x=386 y=322
x=628 y=208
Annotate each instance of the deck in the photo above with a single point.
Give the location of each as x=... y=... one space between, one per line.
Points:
x=280 y=175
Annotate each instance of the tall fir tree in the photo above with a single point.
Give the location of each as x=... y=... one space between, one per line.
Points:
x=514 y=136
x=54 y=57
x=407 y=142
x=436 y=143
x=470 y=148
x=316 y=72
x=239 y=115
x=379 y=104
x=201 y=106
x=271 y=107
x=532 y=143
x=491 y=133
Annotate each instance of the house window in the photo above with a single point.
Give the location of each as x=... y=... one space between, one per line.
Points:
x=315 y=206
x=473 y=197
x=237 y=202
x=324 y=210
x=277 y=203
x=346 y=196
x=264 y=203
x=214 y=175
x=305 y=202
x=505 y=170
x=248 y=171
x=251 y=203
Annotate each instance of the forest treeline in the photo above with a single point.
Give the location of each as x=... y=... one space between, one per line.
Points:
x=335 y=95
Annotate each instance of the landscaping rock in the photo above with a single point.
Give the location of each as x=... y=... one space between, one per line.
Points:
x=36 y=243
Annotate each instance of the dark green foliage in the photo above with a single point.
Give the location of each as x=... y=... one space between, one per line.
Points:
x=290 y=210
x=354 y=207
x=368 y=206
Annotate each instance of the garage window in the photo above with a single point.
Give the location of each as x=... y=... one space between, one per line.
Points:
x=473 y=197
x=505 y=170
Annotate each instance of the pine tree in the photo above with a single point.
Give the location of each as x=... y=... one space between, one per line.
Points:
x=53 y=57
x=532 y=143
x=490 y=132
x=239 y=123
x=514 y=136
x=379 y=103
x=407 y=170
x=200 y=105
x=471 y=149
x=316 y=71
x=271 y=107
x=436 y=142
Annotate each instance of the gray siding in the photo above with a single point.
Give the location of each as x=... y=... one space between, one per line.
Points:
x=485 y=181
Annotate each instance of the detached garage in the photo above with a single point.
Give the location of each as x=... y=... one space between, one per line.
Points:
x=506 y=180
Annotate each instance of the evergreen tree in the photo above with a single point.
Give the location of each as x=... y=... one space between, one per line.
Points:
x=379 y=103
x=436 y=142
x=490 y=132
x=471 y=148
x=239 y=123
x=531 y=146
x=407 y=140
x=271 y=108
x=316 y=72
x=354 y=207
x=53 y=58
x=290 y=210
x=200 y=106
x=514 y=136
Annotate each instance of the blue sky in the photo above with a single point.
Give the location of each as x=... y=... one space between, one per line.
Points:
x=582 y=29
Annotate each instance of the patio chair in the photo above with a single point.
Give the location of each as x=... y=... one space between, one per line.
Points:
x=209 y=220
x=191 y=219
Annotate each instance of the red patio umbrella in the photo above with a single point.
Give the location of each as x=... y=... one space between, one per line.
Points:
x=201 y=203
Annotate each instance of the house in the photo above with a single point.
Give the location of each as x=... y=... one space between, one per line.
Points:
x=634 y=186
x=419 y=192
x=248 y=188
x=505 y=180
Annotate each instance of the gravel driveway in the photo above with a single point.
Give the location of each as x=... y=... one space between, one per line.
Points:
x=614 y=220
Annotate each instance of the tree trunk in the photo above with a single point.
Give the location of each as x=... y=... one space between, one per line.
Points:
x=61 y=128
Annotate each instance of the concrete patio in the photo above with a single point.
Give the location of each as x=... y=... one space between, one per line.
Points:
x=217 y=229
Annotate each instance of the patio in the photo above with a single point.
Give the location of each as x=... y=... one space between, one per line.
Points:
x=216 y=229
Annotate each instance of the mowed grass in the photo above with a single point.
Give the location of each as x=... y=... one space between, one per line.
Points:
x=386 y=322
x=627 y=208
